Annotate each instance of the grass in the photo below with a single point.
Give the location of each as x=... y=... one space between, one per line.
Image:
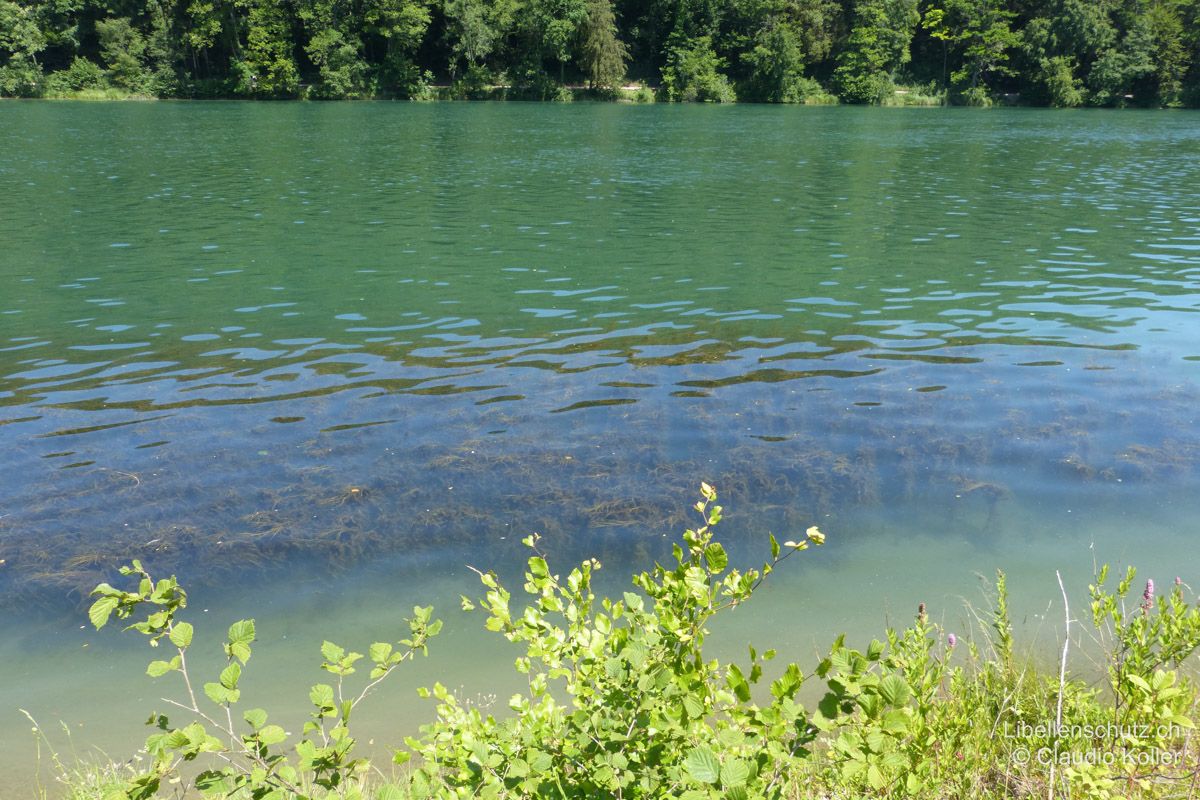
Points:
x=916 y=96
x=106 y=93
x=77 y=777
x=977 y=727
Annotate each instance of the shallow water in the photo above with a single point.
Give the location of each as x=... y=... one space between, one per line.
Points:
x=344 y=350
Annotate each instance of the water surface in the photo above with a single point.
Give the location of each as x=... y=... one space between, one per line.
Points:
x=343 y=351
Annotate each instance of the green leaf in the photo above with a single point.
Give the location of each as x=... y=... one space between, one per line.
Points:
x=894 y=690
x=221 y=694
x=540 y=761
x=737 y=682
x=256 y=717
x=875 y=778
x=231 y=675
x=241 y=632
x=272 y=734
x=895 y=721
x=636 y=654
x=181 y=634
x=158 y=668
x=331 y=652
x=210 y=782
x=716 y=557
x=379 y=652
x=702 y=765
x=321 y=695
x=176 y=739
x=390 y=792
x=734 y=773
x=101 y=610
x=1138 y=681
x=240 y=651
x=693 y=707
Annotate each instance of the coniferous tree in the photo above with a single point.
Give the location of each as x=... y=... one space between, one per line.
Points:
x=602 y=53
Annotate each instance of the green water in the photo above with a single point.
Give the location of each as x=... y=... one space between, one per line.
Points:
x=343 y=351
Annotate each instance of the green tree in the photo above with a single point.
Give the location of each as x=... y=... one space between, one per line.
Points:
x=20 y=42
x=1170 y=58
x=342 y=71
x=1125 y=51
x=201 y=29
x=548 y=32
x=1189 y=15
x=124 y=49
x=776 y=65
x=777 y=39
x=401 y=26
x=1143 y=58
x=602 y=53
x=475 y=29
x=59 y=23
x=334 y=48
x=1122 y=66
x=979 y=34
x=878 y=44
x=693 y=73
x=267 y=67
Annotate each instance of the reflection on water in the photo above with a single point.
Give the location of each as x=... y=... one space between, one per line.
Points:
x=249 y=343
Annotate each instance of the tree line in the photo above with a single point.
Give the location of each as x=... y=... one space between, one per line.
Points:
x=974 y=52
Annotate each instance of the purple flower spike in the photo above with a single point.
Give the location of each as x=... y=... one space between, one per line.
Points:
x=1148 y=596
x=951 y=640
x=1178 y=581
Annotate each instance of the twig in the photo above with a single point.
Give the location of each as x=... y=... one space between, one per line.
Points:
x=1062 y=679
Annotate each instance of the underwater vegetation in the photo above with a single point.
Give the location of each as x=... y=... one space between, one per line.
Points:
x=607 y=474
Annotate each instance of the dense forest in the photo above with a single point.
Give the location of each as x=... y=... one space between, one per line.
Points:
x=974 y=52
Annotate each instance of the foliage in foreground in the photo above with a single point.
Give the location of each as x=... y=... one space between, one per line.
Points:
x=622 y=702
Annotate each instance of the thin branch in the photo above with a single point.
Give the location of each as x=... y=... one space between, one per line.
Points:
x=1062 y=677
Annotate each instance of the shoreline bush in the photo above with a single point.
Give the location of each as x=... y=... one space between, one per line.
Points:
x=623 y=703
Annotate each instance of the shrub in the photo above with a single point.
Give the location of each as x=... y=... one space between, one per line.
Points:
x=80 y=76
x=1063 y=89
x=21 y=79
x=693 y=74
x=246 y=757
x=645 y=714
x=622 y=701
x=642 y=94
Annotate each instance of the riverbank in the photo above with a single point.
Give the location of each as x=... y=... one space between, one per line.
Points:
x=919 y=712
x=633 y=93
